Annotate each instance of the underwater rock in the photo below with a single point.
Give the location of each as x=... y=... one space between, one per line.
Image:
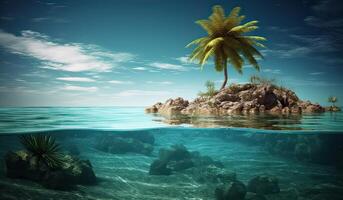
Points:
x=175 y=153
x=178 y=158
x=73 y=172
x=332 y=109
x=254 y=196
x=264 y=185
x=235 y=190
x=324 y=191
x=214 y=174
x=159 y=167
x=120 y=145
x=288 y=194
x=239 y=98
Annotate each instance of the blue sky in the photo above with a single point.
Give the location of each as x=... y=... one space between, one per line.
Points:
x=132 y=52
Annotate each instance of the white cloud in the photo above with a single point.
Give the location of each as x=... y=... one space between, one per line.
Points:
x=129 y=93
x=76 y=79
x=120 y=82
x=160 y=82
x=273 y=71
x=140 y=68
x=185 y=60
x=79 y=88
x=168 y=66
x=67 y=57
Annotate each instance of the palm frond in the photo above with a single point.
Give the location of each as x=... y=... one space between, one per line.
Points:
x=206 y=25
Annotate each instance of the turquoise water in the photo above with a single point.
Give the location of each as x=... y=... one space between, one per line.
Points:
x=125 y=118
x=303 y=152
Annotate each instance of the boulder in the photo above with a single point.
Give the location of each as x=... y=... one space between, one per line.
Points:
x=234 y=190
x=139 y=142
x=254 y=196
x=333 y=109
x=159 y=167
x=119 y=145
x=178 y=158
x=73 y=172
x=264 y=185
x=215 y=174
x=236 y=108
x=173 y=106
x=222 y=96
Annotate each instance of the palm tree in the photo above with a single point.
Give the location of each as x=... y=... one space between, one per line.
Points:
x=333 y=100
x=226 y=41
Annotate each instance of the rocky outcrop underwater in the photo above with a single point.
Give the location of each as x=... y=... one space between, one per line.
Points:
x=42 y=162
x=239 y=98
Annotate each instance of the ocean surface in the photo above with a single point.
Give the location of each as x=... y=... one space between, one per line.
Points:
x=28 y=119
x=304 y=153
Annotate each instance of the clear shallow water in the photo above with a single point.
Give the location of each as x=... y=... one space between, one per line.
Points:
x=246 y=149
x=113 y=118
x=126 y=176
x=48 y=118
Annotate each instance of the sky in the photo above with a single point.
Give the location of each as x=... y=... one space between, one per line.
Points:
x=132 y=52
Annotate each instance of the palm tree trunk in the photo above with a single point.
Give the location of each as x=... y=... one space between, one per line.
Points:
x=225 y=76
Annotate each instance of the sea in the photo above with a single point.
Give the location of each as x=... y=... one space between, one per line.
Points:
x=303 y=153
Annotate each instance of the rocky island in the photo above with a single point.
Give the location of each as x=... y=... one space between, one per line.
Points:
x=247 y=98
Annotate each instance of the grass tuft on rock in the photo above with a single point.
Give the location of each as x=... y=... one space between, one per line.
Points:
x=44 y=148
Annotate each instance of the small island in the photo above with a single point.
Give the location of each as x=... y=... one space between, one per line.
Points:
x=250 y=98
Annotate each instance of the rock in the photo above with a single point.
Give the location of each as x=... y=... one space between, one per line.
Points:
x=308 y=107
x=324 y=191
x=178 y=158
x=262 y=109
x=295 y=109
x=175 y=153
x=264 y=185
x=254 y=196
x=154 y=108
x=73 y=172
x=215 y=174
x=180 y=165
x=132 y=142
x=236 y=108
x=173 y=106
x=159 y=167
x=120 y=145
x=287 y=194
x=332 y=109
x=239 y=98
x=222 y=96
x=235 y=190
x=286 y=110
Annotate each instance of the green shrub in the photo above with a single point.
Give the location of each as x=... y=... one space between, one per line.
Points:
x=211 y=90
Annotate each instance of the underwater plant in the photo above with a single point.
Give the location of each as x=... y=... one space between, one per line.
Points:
x=211 y=90
x=226 y=41
x=333 y=100
x=44 y=148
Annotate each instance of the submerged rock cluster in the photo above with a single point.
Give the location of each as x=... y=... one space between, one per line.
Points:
x=141 y=143
x=178 y=158
x=323 y=149
x=239 y=98
x=23 y=165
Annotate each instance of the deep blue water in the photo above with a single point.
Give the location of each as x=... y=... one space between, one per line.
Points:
x=241 y=143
